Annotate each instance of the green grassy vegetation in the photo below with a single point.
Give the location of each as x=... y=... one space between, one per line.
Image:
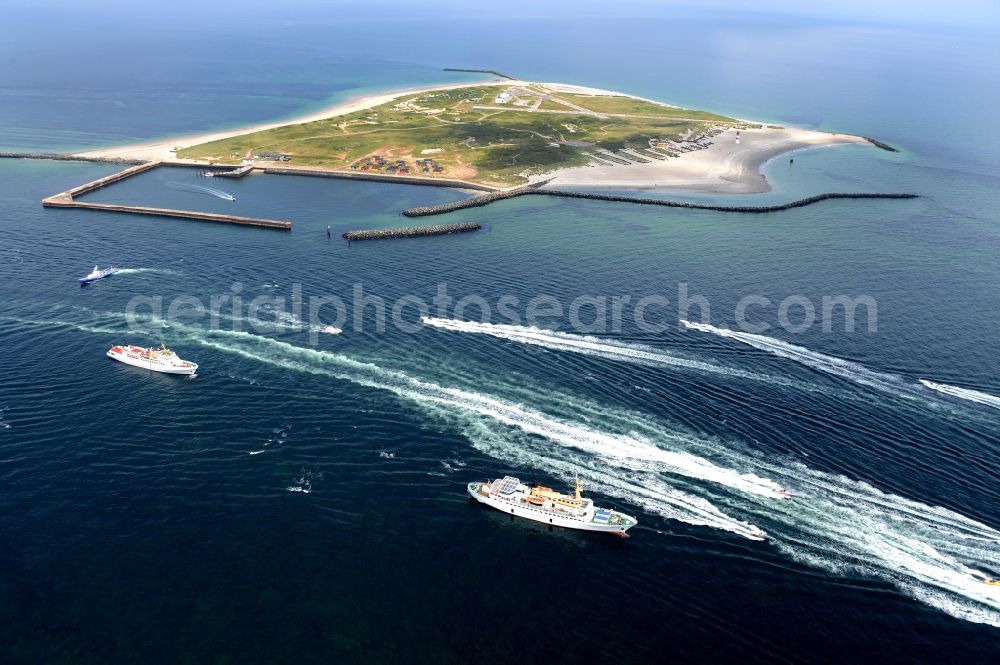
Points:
x=550 y=105
x=489 y=146
x=614 y=104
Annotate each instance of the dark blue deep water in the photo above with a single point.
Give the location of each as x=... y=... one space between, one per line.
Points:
x=302 y=500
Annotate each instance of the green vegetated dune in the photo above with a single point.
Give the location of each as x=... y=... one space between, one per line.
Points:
x=495 y=134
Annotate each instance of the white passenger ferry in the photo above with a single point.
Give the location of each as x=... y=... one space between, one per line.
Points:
x=158 y=360
x=543 y=504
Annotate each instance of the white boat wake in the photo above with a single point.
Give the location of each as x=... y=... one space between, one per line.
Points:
x=601 y=347
x=964 y=393
x=267 y=319
x=138 y=271
x=843 y=526
x=199 y=189
x=629 y=450
x=287 y=321
x=846 y=369
x=645 y=490
x=216 y=192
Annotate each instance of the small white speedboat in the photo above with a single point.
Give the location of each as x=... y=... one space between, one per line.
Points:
x=98 y=273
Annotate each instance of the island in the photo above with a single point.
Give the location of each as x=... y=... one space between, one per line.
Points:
x=505 y=138
x=504 y=134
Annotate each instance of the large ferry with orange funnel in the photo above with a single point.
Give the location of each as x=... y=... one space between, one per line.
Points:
x=158 y=360
x=543 y=504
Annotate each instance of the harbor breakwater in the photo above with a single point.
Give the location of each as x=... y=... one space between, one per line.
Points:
x=58 y=202
x=69 y=158
x=378 y=177
x=68 y=199
x=486 y=199
x=412 y=231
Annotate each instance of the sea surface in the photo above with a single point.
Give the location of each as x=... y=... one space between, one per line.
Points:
x=303 y=499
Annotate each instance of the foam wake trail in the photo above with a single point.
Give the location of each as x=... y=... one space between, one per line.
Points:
x=840 y=525
x=845 y=369
x=138 y=271
x=848 y=527
x=644 y=490
x=16 y=322
x=605 y=449
x=843 y=526
x=267 y=319
x=199 y=189
x=964 y=393
x=629 y=450
x=595 y=346
x=288 y=321
x=217 y=193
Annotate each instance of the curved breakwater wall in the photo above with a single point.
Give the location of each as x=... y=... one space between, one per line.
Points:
x=486 y=199
x=412 y=231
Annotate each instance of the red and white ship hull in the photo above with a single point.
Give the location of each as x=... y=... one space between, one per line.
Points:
x=156 y=360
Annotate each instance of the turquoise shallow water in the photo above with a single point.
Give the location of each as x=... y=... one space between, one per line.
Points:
x=303 y=497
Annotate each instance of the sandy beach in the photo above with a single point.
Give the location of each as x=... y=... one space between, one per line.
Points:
x=725 y=167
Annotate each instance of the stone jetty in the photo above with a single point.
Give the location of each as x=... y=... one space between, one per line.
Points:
x=880 y=144
x=486 y=199
x=480 y=71
x=412 y=231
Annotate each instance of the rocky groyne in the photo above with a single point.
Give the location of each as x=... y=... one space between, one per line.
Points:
x=477 y=201
x=486 y=199
x=480 y=71
x=880 y=144
x=412 y=231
